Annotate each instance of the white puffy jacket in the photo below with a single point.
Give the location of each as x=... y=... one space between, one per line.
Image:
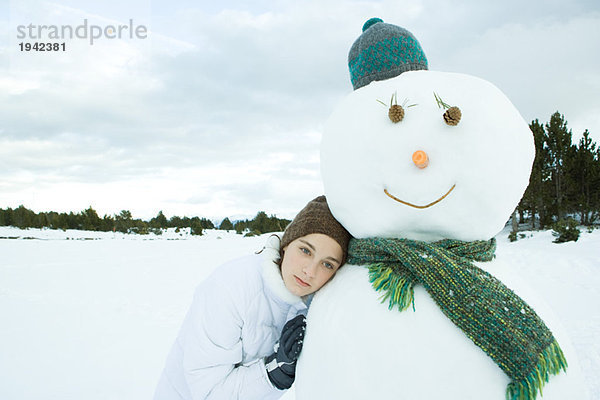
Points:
x=235 y=319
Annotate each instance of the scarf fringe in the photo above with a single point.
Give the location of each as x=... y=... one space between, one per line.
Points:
x=398 y=289
x=551 y=361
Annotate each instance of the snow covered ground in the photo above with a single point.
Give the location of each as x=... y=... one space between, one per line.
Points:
x=93 y=317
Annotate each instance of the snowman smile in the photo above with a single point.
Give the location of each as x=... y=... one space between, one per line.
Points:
x=417 y=206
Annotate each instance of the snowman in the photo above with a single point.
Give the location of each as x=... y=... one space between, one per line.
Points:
x=423 y=168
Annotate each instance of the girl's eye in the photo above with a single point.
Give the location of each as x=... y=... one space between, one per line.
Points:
x=328 y=265
x=305 y=250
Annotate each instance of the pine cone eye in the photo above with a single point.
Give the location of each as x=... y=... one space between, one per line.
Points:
x=452 y=116
x=396 y=113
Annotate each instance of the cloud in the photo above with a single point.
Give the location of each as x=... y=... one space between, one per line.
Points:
x=542 y=66
x=220 y=110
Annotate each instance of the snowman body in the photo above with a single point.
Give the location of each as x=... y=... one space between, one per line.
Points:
x=475 y=175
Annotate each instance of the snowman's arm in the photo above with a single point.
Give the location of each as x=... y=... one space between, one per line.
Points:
x=211 y=343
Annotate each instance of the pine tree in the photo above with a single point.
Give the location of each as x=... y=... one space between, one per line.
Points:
x=159 y=222
x=61 y=222
x=41 y=220
x=90 y=221
x=108 y=223
x=595 y=195
x=5 y=219
x=226 y=225
x=196 y=226
x=278 y=224
x=178 y=222
x=260 y=223
x=584 y=174
x=73 y=221
x=240 y=226
x=206 y=223
x=123 y=221
x=558 y=141
x=22 y=217
x=536 y=196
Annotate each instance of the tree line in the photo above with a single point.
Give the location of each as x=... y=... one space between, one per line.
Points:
x=89 y=220
x=260 y=224
x=124 y=222
x=565 y=177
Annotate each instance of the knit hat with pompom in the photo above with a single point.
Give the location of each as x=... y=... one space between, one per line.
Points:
x=383 y=51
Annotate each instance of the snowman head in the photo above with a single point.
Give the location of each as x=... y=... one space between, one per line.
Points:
x=421 y=154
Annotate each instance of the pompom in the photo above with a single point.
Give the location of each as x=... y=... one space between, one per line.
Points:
x=371 y=22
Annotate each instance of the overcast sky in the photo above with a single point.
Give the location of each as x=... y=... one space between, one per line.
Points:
x=219 y=111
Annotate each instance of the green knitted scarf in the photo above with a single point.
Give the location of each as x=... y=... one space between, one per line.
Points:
x=497 y=320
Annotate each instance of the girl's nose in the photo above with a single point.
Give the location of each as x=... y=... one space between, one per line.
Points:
x=420 y=159
x=310 y=269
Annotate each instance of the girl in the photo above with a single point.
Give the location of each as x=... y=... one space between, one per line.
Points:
x=243 y=332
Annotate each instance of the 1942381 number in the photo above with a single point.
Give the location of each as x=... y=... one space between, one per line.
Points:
x=42 y=46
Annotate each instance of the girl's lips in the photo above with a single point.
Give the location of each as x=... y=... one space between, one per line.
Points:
x=301 y=282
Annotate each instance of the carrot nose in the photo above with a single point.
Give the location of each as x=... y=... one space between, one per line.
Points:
x=420 y=159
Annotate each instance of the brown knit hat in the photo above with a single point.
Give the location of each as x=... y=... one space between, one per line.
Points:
x=316 y=217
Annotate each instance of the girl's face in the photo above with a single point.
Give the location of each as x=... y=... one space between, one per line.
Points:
x=309 y=262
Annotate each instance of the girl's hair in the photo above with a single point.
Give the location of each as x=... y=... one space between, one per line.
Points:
x=280 y=259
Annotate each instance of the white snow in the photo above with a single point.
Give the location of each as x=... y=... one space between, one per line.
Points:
x=94 y=319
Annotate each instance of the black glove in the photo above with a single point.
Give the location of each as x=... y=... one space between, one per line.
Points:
x=281 y=365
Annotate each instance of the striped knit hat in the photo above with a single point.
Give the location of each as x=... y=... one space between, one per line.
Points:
x=383 y=51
